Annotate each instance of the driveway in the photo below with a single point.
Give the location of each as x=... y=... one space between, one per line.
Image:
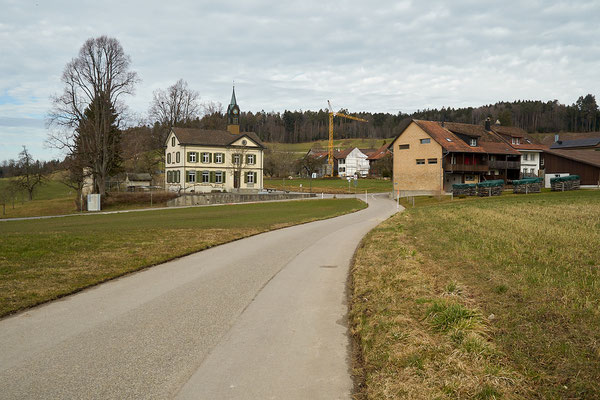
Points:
x=259 y=318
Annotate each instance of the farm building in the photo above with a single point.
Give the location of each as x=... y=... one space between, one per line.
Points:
x=345 y=162
x=582 y=162
x=431 y=156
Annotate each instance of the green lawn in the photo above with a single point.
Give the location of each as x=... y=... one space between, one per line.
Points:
x=336 y=185
x=44 y=259
x=482 y=298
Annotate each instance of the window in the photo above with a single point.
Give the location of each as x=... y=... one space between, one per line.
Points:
x=173 y=141
x=236 y=159
x=473 y=142
x=205 y=177
x=250 y=159
x=177 y=177
x=177 y=157
x=432 y=161
x=191 y=176
x=169 y=176
x=168 y=158
x=448 y=139
x=420 y=161
x=404 y=146
x=425 y=141
x=516 y=140
x=453 y=159
x=192 y=157
x=219 y=158
x=342 y=161
x=206 y=158
x=342 y=169
x=219 y=177
x=250 y=177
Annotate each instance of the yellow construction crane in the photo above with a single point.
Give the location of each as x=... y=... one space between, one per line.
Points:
x=330 y=147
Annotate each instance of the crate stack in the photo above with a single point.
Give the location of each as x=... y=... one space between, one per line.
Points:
x=490 y=188
x=464 y=189
x=563 y=183
x=528 y=185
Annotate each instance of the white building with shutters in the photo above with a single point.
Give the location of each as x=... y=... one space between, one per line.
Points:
x=205 y=161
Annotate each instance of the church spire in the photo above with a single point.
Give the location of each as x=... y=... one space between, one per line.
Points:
x=233 y=115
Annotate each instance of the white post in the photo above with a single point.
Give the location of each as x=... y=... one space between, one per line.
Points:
x=322 y=197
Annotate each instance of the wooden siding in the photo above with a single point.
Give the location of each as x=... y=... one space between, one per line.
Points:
x=590 y=175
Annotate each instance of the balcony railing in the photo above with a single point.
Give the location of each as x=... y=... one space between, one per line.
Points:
x=465 y=167
x=505 y=164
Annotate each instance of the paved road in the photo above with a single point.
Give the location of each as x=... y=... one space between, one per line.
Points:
x=259 y=318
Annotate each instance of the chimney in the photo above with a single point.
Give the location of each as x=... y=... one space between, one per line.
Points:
x=556 y=138
x=488 y=124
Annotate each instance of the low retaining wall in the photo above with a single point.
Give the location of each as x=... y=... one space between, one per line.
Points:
x=228 y=198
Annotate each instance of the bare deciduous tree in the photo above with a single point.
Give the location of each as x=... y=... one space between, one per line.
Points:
x=87 y=113
x=30 y=173
x=175 y=106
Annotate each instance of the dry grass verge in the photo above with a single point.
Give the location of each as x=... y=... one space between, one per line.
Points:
x=492 y=298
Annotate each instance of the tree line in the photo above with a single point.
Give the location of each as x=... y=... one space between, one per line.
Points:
x=86 y=119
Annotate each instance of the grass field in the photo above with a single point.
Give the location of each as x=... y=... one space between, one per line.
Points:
x=336 y=185
x=44 y=259
x=339 y=143
x=486 y=299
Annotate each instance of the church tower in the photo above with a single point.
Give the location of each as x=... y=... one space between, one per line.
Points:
x=233 y=115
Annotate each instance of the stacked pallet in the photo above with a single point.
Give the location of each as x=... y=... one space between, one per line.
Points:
x=528 y=185
x=490 y=188
x=563 y=183
x=464 y=189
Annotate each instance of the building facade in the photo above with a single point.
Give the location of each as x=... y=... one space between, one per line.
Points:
x=205 y=161
x=430 y=156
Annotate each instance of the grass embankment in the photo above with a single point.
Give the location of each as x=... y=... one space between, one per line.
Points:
x=336 y=185
x=44 y=259
x=337 y=143
x=491 y=298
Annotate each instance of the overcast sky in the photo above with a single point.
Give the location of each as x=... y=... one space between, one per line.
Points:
x=380 y=56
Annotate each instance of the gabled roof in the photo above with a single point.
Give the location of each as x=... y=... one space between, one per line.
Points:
x=584 y=156
x=587 y=142
x=205 y=137
x=377 y=154
x=465 y=129
x=511 y=131
x=448 y=140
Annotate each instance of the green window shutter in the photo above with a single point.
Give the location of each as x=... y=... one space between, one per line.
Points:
x=245 y=177
x=223 y=173
x=255 y=175
x=168 y=176
x=212 y=176
x=178 y=176
x=247 y=158
x=232 y=158
x=187 y=177
x=209 y=157
x=189 y=157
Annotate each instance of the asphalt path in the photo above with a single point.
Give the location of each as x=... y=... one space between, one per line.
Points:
x=263 y=317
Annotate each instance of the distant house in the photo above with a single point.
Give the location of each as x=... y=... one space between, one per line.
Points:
x=430 y=156
x=380 y=161
x=352 y=162
x=134 y=181
x=346 y=162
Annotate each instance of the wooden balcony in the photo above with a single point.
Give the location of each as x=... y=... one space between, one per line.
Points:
x=465 y=167
x=504 y=164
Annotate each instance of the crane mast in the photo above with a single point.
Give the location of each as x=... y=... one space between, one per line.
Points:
x=330 y=145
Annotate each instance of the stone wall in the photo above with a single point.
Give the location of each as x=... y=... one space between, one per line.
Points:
x=230 y=198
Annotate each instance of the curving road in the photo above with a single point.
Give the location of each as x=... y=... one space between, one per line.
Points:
x=259 y=318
